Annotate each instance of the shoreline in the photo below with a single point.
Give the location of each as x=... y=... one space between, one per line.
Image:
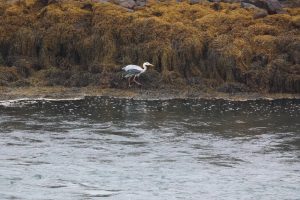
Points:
x=61 y=93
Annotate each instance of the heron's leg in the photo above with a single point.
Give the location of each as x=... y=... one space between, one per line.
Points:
x=129 y=81
x=136 y=81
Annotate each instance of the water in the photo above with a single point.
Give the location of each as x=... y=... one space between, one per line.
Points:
x=124 y=149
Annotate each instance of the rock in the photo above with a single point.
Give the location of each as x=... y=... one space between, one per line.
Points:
x=290 y=3
x=197 y=1
x=140 y=3
x=231 y=1
x=261 y=13
x=294 y=52
x=194 y=1
x=283 y=76
x=130 y=4
x=225 y=1
x=21 y=83
x=248 y=5
x=233 y=88
x=23 y=67
x=150 y=80
x=8 y=75
x=87 y=6
x=47 y=2
x=83 y=79
x=55 y=76
x=216 y=6
x=100 y=1
x=272 y=6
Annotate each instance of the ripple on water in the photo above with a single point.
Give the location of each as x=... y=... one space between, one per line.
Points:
x=124 y=149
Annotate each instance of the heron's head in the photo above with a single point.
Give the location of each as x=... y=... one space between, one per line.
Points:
x=148 y=64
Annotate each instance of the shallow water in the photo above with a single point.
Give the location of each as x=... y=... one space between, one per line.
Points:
x=125 y=149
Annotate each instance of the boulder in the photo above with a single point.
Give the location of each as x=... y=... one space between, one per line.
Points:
x=130 y=4
x=233 y=88
x=216 y=6
x=231 y=1
x=47 y=2
x=141 y=3
x=248 y=6
x=225 y=1
x=260 y=13
x=100 y=1
x=290 y=3
x=272 y=6
x=196 y=1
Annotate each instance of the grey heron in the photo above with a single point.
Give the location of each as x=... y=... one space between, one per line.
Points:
x=133 y=71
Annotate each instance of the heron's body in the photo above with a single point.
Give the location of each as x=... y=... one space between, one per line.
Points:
x=135 y=71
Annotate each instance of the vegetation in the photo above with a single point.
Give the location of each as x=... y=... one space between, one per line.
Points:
x=205 y=45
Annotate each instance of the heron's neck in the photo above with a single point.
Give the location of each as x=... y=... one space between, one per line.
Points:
x=144 y=67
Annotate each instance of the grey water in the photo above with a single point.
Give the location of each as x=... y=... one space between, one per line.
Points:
x=106 y=148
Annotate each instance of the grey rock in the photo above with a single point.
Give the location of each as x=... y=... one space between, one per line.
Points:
x=100 y=1
x=225 y=1
x=194 y=1
x=141 y=3
x=126 y=3
x=248 y=5
x=290 y=3
x=231 y=1
x=260 y=13
x=272 y=6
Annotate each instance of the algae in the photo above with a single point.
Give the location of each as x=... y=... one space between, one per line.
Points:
x=82 y=43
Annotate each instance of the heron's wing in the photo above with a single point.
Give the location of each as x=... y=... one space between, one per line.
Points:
x=132 y=67
x=131 y=72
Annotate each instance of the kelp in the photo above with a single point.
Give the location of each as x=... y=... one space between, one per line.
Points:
x=80 y=43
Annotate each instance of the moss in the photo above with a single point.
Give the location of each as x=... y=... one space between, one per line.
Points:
x=296 y=21
x=263 y=29
x=14 y=9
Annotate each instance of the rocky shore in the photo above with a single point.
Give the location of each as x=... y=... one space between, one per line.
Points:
x=58 y=93
x=197 y=47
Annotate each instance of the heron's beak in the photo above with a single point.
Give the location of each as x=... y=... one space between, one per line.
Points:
x=151 y=65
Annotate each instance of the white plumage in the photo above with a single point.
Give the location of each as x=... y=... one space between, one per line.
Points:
x=129 y=67
x=135 y=71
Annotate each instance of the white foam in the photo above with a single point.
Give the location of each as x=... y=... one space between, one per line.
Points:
x=25 y=101
x=99 y=193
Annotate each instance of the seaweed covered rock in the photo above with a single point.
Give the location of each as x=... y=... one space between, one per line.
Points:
x=233 y=88
x=8 y=75
x=290 y=3
x=272 y=6
x=72 y=78
x=126 y=3
x=82 y=43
